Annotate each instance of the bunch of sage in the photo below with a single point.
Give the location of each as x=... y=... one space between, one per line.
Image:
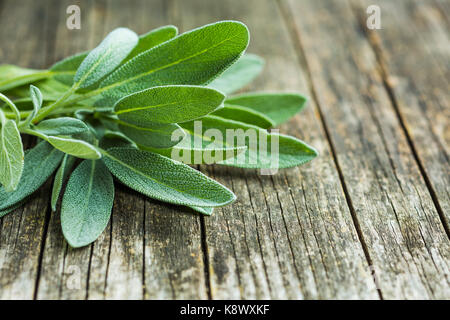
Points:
x=112 y=112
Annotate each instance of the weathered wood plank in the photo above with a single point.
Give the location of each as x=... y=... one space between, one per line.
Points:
x=400 y=225
x=421 y=92
x=64 y=271
x=290 y=235
x=22 y=231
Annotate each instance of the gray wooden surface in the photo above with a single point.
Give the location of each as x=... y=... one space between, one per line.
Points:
x=368 y=219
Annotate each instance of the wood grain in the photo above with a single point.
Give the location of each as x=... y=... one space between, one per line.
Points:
x=399 y=222
x=290 y=236
x=366 y=219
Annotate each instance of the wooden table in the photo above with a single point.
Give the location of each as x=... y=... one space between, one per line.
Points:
x=368 y=219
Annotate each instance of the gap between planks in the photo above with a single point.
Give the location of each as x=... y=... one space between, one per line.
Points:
x=295 y=36
x=375 y=43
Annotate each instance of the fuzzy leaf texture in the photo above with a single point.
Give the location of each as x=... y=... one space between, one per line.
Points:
x=87 y=203
x=106 y=57
x=61 y=175
x=195 y=58
x=169 y=104
x=11 y=155
x=164 y=179
x=40 y=163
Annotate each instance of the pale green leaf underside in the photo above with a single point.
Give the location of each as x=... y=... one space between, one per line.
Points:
x=195 y=58
x=166 y=180
x=154 y=135
x=279 y=107
x=13 y=76
x=106 y=57
x=61 y=126
x=292 y=152
x=40 y=163
x=60 y=176
x=246 y=115
x=11 y=155
x=239 y=74
x=87 y=203
x=168 y=104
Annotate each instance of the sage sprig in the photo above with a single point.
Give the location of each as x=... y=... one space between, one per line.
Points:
x=141 y=109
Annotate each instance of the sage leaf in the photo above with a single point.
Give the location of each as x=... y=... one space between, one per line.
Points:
x=106 y=57
x=87 y=203
x=203 y=210
x=13 y=76
x=244 y=114
x=61 y=175
x=11 y=155
x=73 y=146
x=4 y=212
x=65 y=69
x=239 y=74
x=164 y=179
x=40 y=163
x=193 y=58
x=155 y=135
x=279 y=107
x=169 y=104
x=36 y=99
x=63 y=126
x=198 y=151
x=291 y=151
x=152 y=39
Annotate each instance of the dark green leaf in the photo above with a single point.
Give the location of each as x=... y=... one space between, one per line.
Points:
x=193 y=58
x=163 y=179
x=40 y=163
x=68 y=67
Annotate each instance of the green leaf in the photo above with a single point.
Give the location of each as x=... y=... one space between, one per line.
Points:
x=169 y=104
x=106 y=57
x=201 y=151
x=155 y=135
x=36 y=99
x=87 y=203
x=40 y=163
x=239 y=74
x=244 y=114
x=152 y=39
x=291 y=151
x=60 y=177
x=13 y=76
x=63 y=126
x=164 y=179
x=279 y=107
x=12 y=106
x=73 y=146
x=193 y=58
x=204 y=210
x=11 y=155
x=67 y=68
x=4 y=212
